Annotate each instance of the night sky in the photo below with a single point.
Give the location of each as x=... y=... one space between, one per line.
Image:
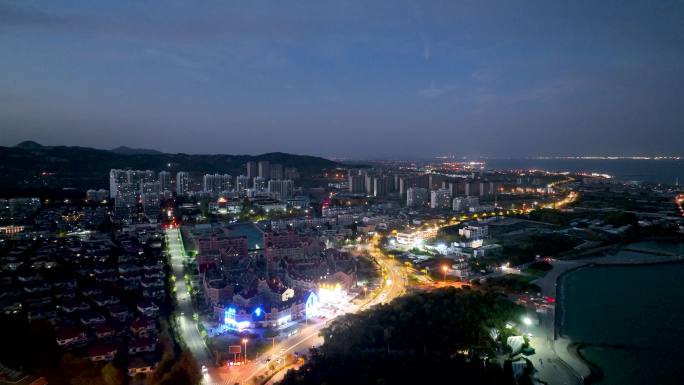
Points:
x=366 y=79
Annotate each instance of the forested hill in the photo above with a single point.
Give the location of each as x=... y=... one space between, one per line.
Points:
x=30 y=164
x=434 y=337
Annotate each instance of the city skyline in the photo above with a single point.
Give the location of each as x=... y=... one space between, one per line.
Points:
x=345 y=80
x=341 y=192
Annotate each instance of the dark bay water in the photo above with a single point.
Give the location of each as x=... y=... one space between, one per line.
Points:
x=660 y=171
x=634 y=318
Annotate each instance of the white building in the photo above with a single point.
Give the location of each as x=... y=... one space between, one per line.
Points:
x=216 y=183
x=440 y=199
x=474 y=232
x=281 y=189
x=116 y=178
x=125 y=188
x=241 y=183
x=182 y=183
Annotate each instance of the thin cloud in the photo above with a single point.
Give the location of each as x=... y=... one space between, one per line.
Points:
x=434 y=91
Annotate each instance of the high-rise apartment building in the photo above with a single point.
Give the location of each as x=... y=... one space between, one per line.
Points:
x=281 y=189
x=126 y=201
x=141 y=176
x=251 y=170
x=149 y=197
x=217 y=183
x=417 y=196
x=276 y=171
x=116 y=178
x=368 y=184
x=291 y=173
x=440 y=199
x=241 y=183
x=259 y=184
x=264 y=169
x=165 y=180
x=357 y=184
x=383 y=185
x=408 y=181
x=466 y=204
x=182 y=183
x=125 y=187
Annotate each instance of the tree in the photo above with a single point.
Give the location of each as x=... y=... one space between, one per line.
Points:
x=414 y=339
x=112 y=375
x=184 y=371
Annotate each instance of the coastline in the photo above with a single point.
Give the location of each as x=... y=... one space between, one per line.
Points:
x=568 y=351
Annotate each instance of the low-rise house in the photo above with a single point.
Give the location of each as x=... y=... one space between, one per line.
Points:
x=101 y=353
x=41 y=313
x=74 y=306
x=65 y=284
x=65 y=294
x=10 y=306
x=139 y=365
x=104 y=300
x=106 y=277
x=42 y=298
x=29 y=276
x=104 y=270
x=128 y=277
x=104 y=331
x=37 y=287
x=148 y=308
x=91 y=292
x=142 y=345
x=151 y=283
x=70 y=336
x=143 y=327
x=154 y=274
x=92 y=318
x=128 y=268
x=155 y=292
x=119 y=312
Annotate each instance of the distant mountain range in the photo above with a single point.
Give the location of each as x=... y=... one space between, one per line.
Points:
x=123 y=150
x=30 y=164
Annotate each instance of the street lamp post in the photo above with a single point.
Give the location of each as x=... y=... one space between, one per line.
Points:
x=244 y=341
x=445 y=269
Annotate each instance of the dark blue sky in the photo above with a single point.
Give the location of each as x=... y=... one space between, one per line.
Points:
x=345 y=78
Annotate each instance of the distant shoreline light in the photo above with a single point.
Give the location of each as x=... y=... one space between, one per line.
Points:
x=611 y=157
x=600 y=157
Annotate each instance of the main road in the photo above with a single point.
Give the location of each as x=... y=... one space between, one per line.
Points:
x=187 y=326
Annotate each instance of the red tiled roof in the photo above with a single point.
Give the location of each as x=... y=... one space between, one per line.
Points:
x=68 y=333
x=101 y=350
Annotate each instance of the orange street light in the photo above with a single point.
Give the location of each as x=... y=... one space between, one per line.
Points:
x=445 y=269
x=244 y=341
